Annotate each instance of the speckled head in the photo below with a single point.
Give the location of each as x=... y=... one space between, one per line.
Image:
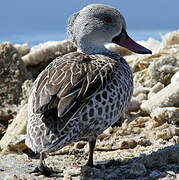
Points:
x=97 y=24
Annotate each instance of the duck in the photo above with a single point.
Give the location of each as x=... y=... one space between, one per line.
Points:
x=81 y=94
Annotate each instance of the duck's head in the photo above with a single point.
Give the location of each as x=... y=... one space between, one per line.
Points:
x=97 y=24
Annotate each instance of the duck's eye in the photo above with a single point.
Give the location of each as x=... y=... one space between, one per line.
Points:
x=108 y=19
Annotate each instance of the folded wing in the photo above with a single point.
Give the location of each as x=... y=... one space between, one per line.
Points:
x=68 y=83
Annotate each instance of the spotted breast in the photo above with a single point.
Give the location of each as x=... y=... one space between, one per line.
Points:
x=90 y=91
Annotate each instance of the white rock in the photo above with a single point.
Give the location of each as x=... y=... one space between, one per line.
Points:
x=167 y=114
x=17 y=127
x=43 y=53
x=134 y=105
x=175 y=77
x=152 y=44
x=163 y=68
x=23 y=49
x=108 y=131
x=167 y=97
x=170 y=38
x=155 y=89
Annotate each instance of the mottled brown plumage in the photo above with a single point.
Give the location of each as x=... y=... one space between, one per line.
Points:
x=82 y=93
x=65 y=87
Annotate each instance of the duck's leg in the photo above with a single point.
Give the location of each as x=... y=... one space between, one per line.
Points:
x=91 y=151
x=42 y=168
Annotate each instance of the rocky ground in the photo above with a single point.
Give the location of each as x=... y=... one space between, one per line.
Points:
x=143 y=144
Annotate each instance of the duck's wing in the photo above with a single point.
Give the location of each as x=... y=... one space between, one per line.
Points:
x=68 y=82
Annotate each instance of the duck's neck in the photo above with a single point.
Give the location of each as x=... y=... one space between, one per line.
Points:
x=94 y=48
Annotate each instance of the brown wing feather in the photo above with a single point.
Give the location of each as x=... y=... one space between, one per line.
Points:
x=69 y=82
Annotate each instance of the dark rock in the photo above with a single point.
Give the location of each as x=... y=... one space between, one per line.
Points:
x=137 y=169
x=12 y=74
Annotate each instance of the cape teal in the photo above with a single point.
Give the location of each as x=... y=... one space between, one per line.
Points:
x=82 y=93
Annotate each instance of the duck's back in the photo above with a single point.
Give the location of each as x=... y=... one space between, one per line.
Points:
x=76 y=96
